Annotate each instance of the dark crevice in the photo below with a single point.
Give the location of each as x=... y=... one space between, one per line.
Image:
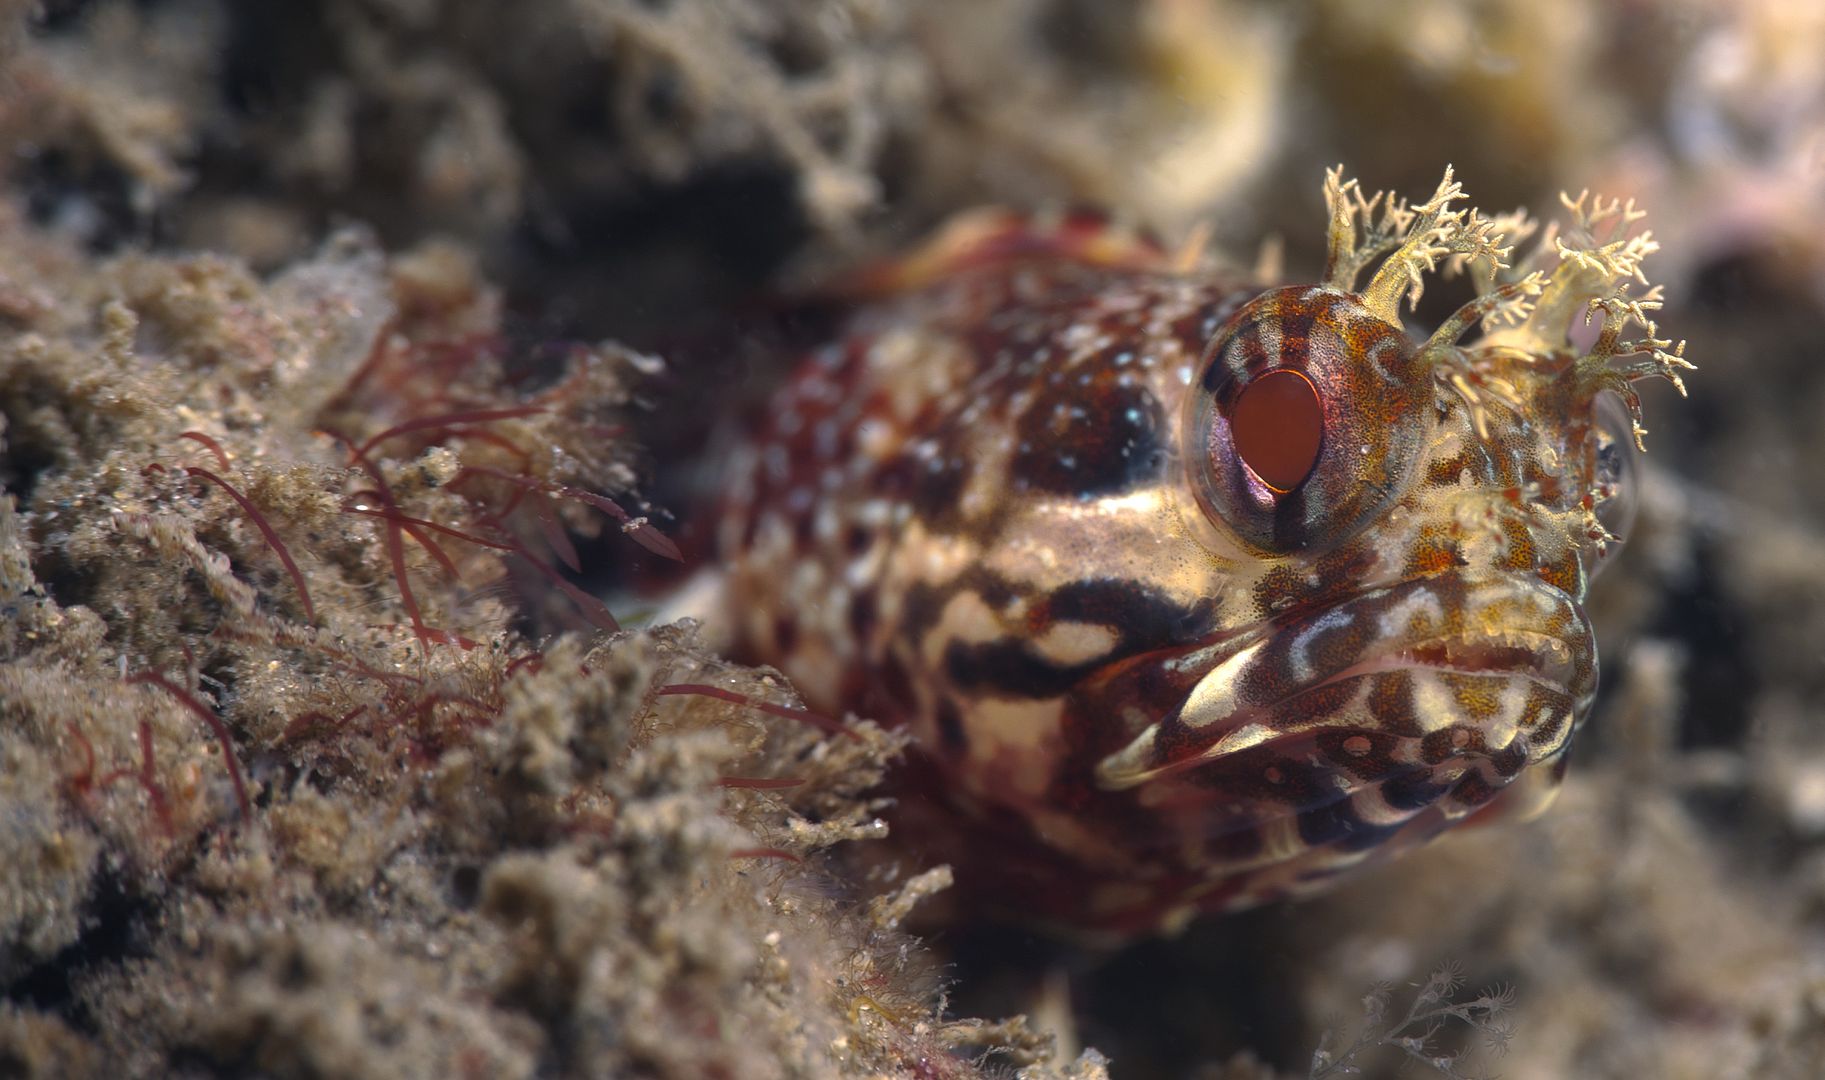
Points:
x=658 y=258
x=23 y=462
x=1154 y=1006
x=113 y=932
x=97 y=203
x=1720 y=677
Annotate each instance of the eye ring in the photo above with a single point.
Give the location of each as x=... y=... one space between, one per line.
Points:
x=1308 y=416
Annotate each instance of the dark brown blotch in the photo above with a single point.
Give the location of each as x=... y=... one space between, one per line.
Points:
x=1006 y=668
x=950 y=729
x=1233 y=841
x=1509 y=760
x=1141 y=616
x=1552 y=729
x=1450 y=742
x=1270 y=778
x=937 y=484
x=1296 y=322
x=894 y=683
x=1473 y=791
x=1326 y=648
x=1091 y=433
x=1337 y=823
x=1414 y=790
x=921 y=609
x=862 y=615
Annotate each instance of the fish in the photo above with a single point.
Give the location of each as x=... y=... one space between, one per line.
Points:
x=1197 y=590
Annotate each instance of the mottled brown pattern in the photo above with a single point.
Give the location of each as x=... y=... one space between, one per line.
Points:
x=1004 y=510
x=1089 y=433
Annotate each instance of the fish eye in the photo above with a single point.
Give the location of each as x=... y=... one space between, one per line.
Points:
x=1307 y=418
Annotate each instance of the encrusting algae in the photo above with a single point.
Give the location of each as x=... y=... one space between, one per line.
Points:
x=288 y=788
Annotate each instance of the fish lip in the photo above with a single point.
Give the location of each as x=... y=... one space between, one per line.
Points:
x=1542 y=658
x=1485 y=624
x=1542 y=632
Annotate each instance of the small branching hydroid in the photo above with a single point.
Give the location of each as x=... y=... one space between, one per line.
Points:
x=1525 y=305
x=1415 y=240
x=1417 y=1032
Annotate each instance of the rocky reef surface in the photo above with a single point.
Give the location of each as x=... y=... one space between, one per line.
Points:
x=335 y=334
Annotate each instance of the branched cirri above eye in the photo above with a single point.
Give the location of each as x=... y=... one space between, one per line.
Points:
x=1316 y=403
x=1586 y=266
x=1525 y=304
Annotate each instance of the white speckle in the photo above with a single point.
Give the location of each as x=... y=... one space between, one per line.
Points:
x=874 y=438
x=1269 y=336
x=1214 y=698
x=1076 y=642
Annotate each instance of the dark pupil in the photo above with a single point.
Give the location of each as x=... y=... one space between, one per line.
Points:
x=1277 y=426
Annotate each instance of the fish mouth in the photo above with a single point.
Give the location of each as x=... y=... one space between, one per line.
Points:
x=1494 y=662
x=1541 y=658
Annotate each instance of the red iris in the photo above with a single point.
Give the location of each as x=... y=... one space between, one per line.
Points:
x=1277 y=426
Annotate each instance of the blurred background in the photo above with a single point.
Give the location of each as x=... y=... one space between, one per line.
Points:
x=643 y=170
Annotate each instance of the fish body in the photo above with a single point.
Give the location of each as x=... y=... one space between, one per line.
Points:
x=1196 y=592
